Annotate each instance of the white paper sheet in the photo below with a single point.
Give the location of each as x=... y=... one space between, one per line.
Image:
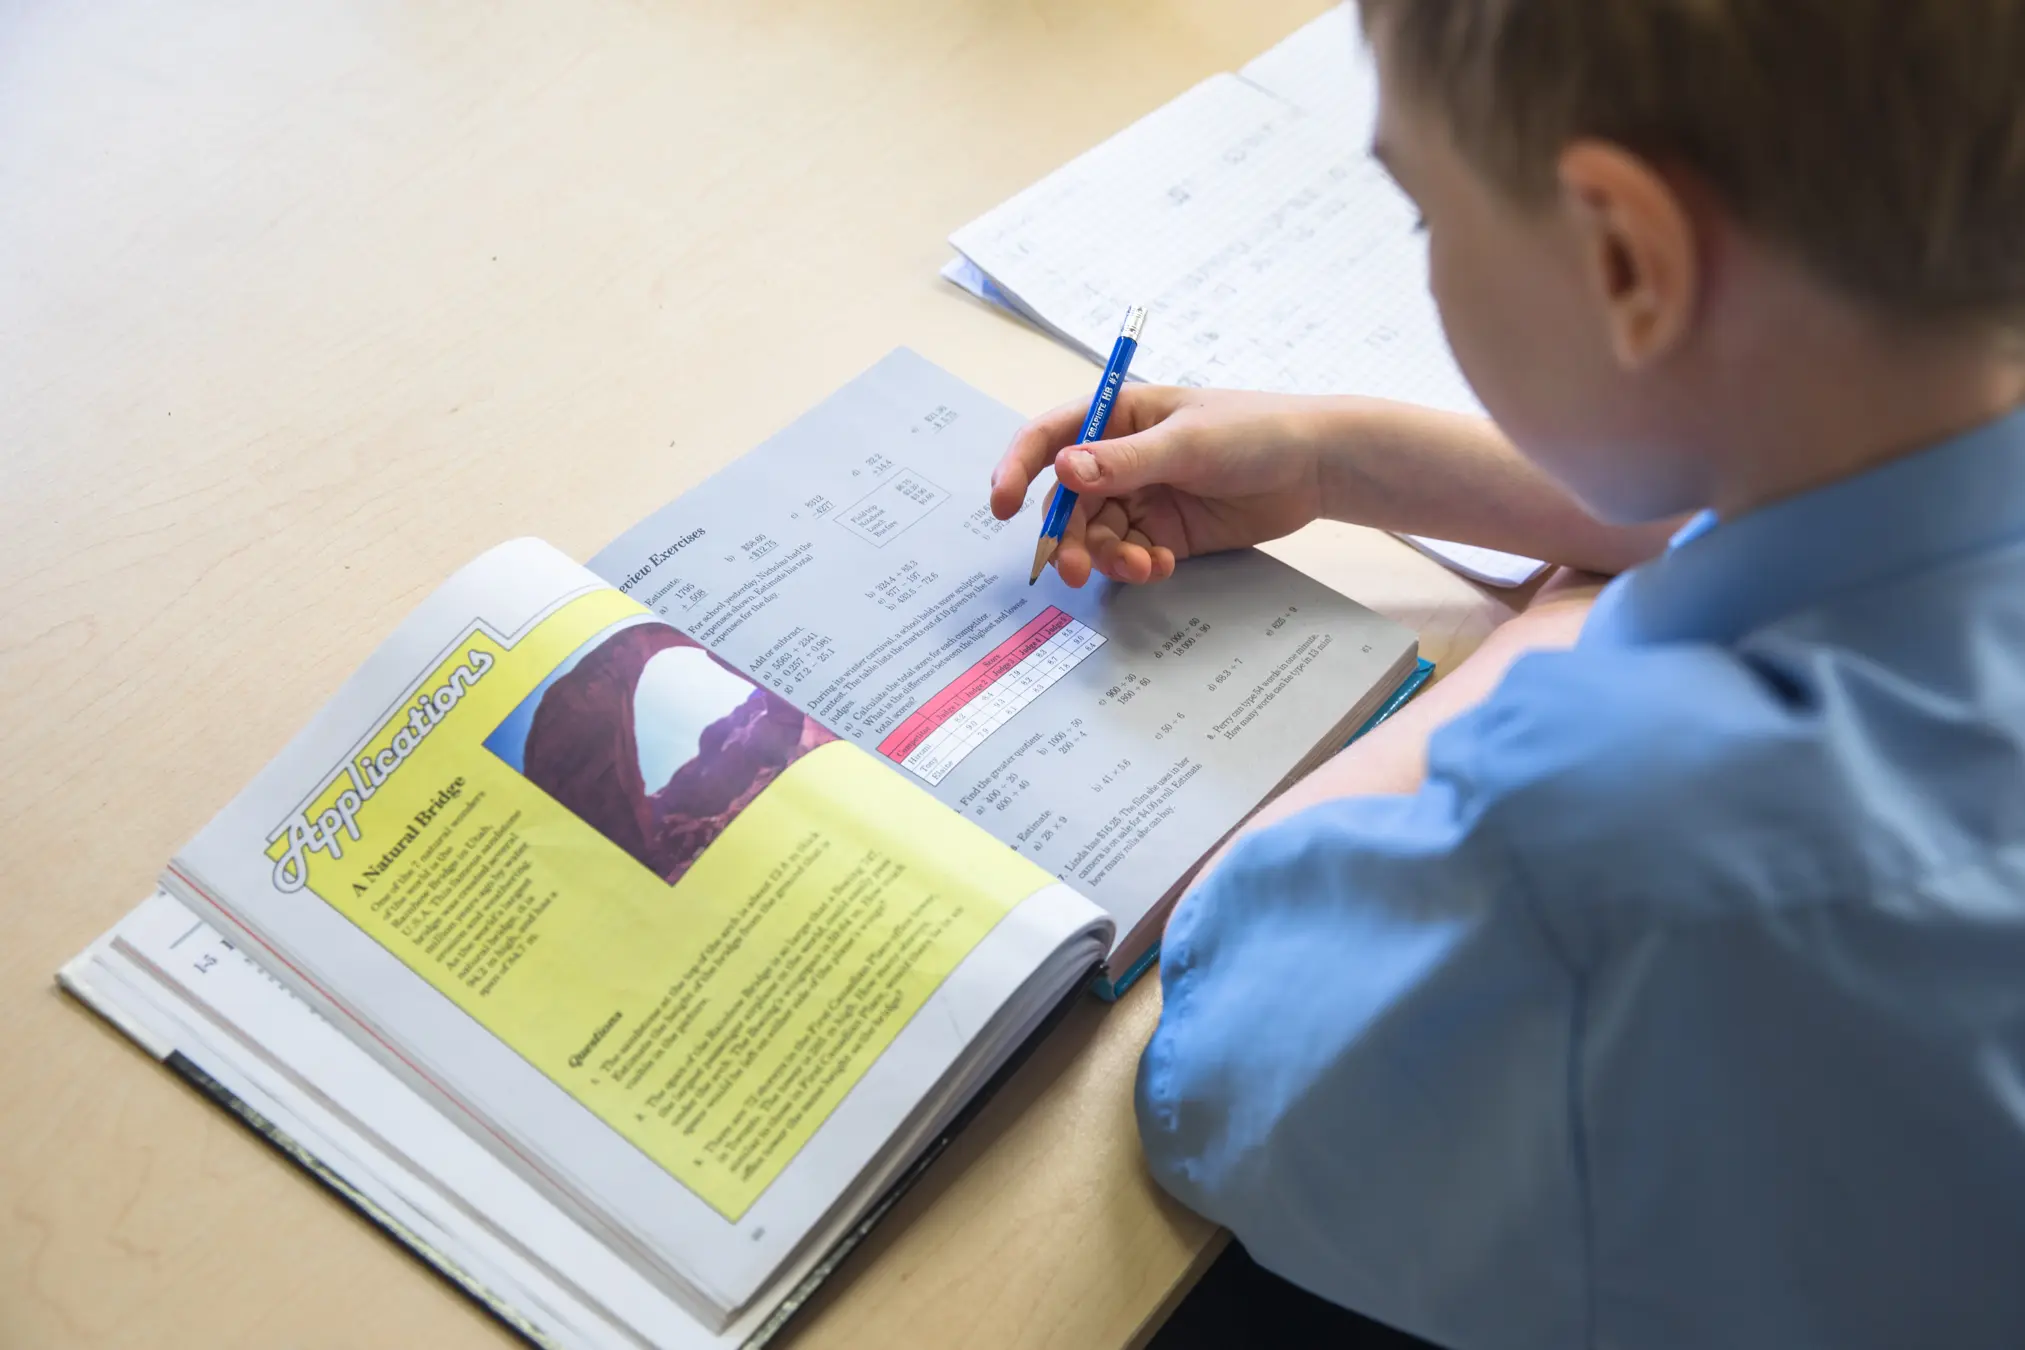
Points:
x=1272 y=251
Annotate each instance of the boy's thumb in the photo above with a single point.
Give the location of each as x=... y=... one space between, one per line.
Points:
x=1114 y=466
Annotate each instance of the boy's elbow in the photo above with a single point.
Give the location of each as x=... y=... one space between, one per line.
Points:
x=1179 y=1131
x=1170 y=1159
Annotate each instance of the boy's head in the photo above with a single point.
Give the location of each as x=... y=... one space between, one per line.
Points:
x=1652 y=220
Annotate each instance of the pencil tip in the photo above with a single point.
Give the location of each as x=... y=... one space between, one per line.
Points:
x=1042 y=552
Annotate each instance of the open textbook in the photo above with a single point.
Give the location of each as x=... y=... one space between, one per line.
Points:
x=1271 y=251
x=621 y=937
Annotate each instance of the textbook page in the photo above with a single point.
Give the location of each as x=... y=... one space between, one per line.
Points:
x=1110 y=734
x=1271 y=250
x=189 y=997
x=171 y=982
x=683 y=957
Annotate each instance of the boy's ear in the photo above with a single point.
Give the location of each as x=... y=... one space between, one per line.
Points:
x=1636 y=243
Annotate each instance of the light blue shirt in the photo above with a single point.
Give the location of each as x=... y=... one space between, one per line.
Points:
x=1685 y=1004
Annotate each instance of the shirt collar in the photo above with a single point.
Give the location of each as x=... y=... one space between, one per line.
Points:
x=1721 y=579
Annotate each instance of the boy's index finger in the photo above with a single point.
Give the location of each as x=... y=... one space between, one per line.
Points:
x=1033 y=448
x=1072 y=556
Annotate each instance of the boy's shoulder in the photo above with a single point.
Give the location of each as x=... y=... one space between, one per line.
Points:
x=1604 y=735
x=1686 y=782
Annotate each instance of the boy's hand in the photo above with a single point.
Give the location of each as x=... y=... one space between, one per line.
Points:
x=1180 y=472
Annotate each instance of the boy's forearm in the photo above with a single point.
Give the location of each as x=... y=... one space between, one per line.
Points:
x=1414 y=470
x=1391 y=759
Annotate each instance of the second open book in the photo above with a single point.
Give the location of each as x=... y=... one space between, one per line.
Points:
x=701 y=888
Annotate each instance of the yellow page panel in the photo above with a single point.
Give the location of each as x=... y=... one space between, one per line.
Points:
x=689 y=905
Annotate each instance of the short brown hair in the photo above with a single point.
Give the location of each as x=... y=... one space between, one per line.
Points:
x=1883 y=141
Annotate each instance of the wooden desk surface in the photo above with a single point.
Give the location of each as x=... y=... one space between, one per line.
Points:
x=301 y=306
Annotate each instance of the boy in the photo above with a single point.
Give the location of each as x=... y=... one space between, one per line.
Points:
x=1674 y=993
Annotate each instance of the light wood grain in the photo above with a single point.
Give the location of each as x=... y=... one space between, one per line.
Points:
x=303 y=304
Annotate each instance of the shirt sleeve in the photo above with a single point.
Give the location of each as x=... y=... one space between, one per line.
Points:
x=1365 y=1067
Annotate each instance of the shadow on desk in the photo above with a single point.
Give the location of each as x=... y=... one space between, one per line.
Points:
x=1241 y=1303
x=971 y=1175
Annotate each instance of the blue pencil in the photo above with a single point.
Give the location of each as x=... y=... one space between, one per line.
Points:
x=1062 y=501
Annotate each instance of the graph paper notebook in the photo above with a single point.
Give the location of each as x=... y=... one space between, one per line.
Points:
x=622 y=937
x=1271 y=252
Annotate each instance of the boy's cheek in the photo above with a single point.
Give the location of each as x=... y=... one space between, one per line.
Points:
x=1518 y=332
x=1516 y=362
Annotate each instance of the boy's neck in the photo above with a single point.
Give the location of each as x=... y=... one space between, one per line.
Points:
x=1832 y=393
